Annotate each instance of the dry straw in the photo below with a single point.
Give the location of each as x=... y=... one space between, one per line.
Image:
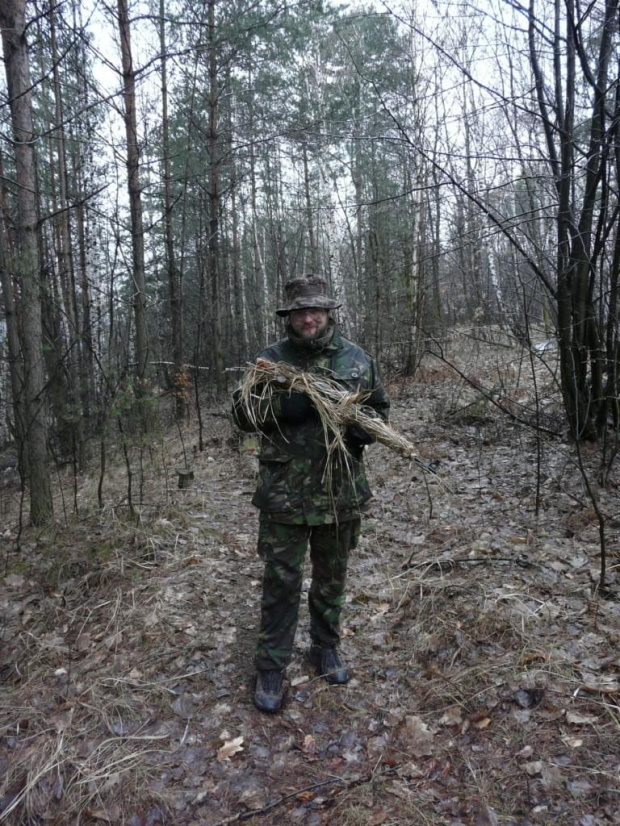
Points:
x=336 y=407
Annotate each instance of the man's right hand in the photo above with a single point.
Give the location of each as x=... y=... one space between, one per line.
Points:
x=295 y=408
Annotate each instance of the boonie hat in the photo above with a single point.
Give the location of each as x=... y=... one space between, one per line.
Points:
x=307 y=291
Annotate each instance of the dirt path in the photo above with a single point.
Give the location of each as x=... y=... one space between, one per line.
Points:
x=485 y=683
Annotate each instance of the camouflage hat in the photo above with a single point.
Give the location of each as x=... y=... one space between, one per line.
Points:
x=308 y=291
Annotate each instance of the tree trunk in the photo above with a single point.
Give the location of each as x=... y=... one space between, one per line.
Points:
x=73 y=357
x=82 y=164
x=214 y=202
x=137 y=229
x=314 y=258
x=26 y=263
x=242 y=349
x=180 y=381
x=88 y=361
x=16 y=373
x=258 y=280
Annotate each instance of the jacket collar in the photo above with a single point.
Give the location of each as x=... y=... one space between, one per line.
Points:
x=336 y=342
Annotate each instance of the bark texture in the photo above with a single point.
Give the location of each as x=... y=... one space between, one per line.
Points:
x=135 y=203
x=25 y=263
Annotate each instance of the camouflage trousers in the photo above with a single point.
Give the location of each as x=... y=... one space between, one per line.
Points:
x=283 y=548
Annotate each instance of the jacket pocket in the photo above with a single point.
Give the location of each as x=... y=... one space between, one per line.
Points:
x=275 y=491
x=351 y=378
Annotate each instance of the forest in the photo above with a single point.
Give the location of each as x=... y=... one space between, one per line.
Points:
x=452 y=170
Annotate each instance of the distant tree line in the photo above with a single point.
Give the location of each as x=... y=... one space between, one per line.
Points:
x=444 y=166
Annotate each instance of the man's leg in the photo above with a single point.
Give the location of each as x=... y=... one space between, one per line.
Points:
x=283 y=547
x=329 y=549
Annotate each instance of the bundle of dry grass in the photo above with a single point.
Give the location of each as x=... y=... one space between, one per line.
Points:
x=336 y=407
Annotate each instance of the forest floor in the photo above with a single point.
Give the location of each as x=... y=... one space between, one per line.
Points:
x=485 y=663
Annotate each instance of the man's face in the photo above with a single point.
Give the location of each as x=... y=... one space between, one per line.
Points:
x=309 y=323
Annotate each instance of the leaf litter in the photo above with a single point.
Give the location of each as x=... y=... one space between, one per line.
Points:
x=485 y=666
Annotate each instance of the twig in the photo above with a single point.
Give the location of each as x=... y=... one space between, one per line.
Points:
x=450 y=563
x=264 y=809
x=599 y=515
x=345 y=785
x=172 y=364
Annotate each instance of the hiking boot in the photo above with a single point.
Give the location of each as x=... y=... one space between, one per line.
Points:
x=326 y=660
x=268 y=693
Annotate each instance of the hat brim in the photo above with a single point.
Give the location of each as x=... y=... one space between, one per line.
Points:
x=319 y=302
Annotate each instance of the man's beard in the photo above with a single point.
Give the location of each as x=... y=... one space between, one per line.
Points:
x=317 y=342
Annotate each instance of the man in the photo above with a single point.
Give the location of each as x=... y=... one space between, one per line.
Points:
x=299 y=502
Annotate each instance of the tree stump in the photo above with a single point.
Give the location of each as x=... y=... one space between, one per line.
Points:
x=185 y=478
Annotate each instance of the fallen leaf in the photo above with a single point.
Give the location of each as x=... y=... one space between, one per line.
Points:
x=576 y=719
x=14 y=580
x=482 y=724
x=572 y=742
x=109 y=815
x=305 y=796
x=552 y=778
x=410 y=770
x=579 y=787
x=184 y=706
x=222 y=708
x=309 y=745
x=577 y=561
x=230 y=748
x=419 y=738
x=400 y=790
x=451 y=717
x=254 y=797
x=486 y=817
x=534 y=767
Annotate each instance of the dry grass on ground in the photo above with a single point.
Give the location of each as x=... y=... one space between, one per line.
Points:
x=486 y=666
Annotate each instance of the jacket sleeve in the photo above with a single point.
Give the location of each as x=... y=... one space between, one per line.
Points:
x=378 y=399
x=376 y=405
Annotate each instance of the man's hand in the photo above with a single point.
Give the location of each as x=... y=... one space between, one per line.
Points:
x=295 y=408
x=356 y=434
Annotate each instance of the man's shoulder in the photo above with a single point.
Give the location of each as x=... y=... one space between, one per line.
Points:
x=355 y=350
x=274 y=352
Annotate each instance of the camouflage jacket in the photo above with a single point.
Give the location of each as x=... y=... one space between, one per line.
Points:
x=292 y=484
